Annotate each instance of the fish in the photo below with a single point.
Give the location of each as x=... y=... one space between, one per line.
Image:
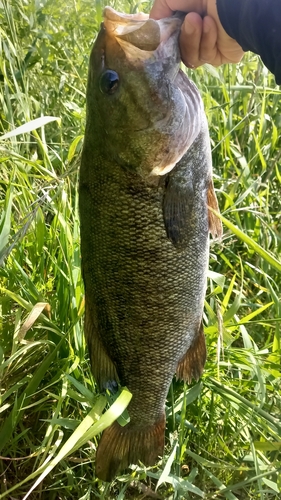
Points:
x=144 y=195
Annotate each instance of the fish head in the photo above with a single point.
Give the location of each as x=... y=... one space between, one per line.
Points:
x=134 y=104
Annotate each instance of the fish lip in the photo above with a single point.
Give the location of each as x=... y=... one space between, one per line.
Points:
x=140 y=31
x=113 y=15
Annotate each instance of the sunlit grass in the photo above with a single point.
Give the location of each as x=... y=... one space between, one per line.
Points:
x=223 y=437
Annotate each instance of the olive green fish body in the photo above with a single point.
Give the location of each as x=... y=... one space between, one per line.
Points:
x=144 y=246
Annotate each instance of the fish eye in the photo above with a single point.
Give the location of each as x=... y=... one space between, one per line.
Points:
x=109 y=82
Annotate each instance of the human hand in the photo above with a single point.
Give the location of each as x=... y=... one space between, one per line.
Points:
x=203 y=39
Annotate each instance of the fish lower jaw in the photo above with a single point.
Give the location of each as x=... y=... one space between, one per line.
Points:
x=162 y=170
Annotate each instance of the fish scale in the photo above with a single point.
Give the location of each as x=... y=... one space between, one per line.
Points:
x=144 y=239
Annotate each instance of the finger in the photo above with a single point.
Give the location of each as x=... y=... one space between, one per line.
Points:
x=160 y=9
x=190 y=38
x=208 y=46
x=233 y=53
x=217 y=47
x=165 y=8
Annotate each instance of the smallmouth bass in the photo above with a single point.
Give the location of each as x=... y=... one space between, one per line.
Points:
x=145 y=187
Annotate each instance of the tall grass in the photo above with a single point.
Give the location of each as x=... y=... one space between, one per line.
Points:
x=223 y=437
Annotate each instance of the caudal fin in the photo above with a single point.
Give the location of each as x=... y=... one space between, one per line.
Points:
x=121 y=446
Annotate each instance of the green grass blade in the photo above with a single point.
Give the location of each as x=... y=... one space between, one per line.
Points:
x=30 y=126
x=249 y=241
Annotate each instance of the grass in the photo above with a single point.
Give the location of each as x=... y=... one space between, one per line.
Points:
x=223 y=437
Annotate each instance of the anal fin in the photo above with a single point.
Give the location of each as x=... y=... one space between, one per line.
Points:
x=215 y=225
x=121 y=446
x=191 y=366
x=102 y=366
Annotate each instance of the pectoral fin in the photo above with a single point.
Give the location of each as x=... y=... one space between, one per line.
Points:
x=177 y=207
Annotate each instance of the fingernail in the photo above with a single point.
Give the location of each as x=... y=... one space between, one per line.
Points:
x=188 y=27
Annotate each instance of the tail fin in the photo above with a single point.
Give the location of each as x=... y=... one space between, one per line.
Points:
x=121 y=446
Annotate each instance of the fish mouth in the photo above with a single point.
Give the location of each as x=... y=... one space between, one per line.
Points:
x=144 y=39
